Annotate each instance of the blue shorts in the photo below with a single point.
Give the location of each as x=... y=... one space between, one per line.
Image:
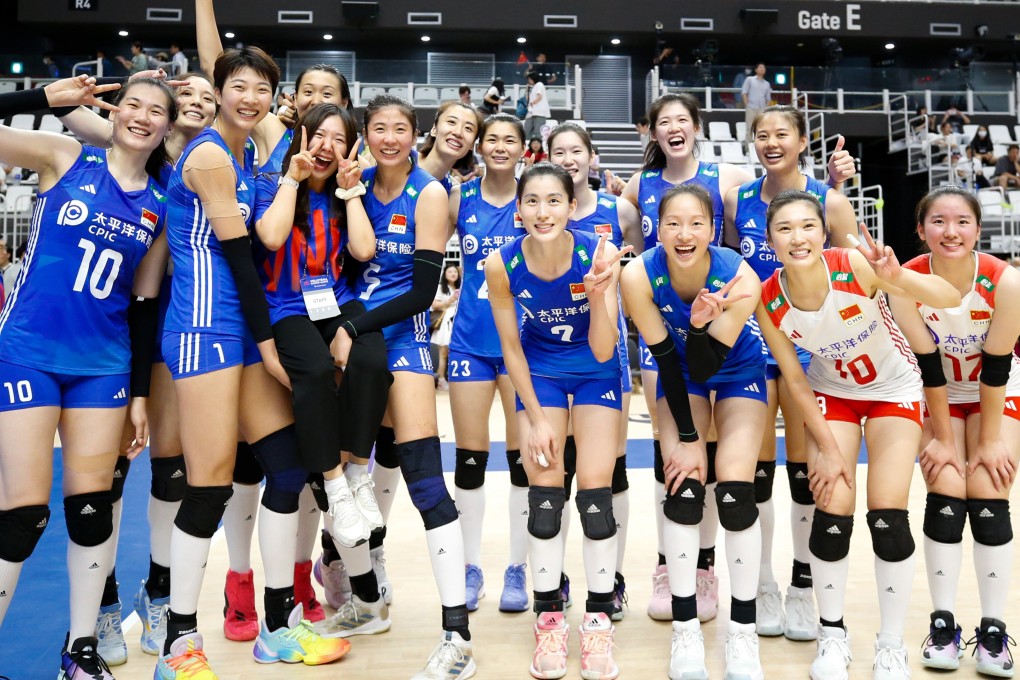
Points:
x=645 y=356
x=772 y=371
x=464 y=367
x=22 y=387
x=411 y=332
x=554 y=392
x=165 y=291
x=748 y=388
x=416 y=359
x=190 y=354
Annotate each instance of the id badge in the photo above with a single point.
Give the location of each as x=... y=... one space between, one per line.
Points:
x=320 y=301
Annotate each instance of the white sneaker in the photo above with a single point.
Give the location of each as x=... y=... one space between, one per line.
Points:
x=833 y=657
x=801 y=622
x=687 y=655
x=379 y=567
x=769 y=619
x=890 y=659
x=355 y=617
x=348 y=525
x=364 y=496
x=742 y=661
x=450 y=660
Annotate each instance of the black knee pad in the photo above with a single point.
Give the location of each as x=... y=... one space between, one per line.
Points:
x=764 y=477
x=620 y=482
x=944 y=518
x=545 y=504
x=518 y=477
x=246 y=467
x=277 y=455
x=989 y=521
x=21 y=529
x=422 y=467
x=736 y=503
x=830 y=536
x=800 y=485
x=711 y=448
x=891 y=539
x=657 y=462
x=569 y=465
x=386 y=448
x=89 y=518
x=596 y=509
x=469 y=472
x=318 y=486
x=169 y=479
x=202 y=509
x=687 y=505
x=120 y=473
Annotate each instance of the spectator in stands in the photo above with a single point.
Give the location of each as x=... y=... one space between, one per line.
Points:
x=666 y=57
x=494 y=96
x=465 y=95
x=444 y=309
x=955 y=118
x=11 y=273
x=1007 y=169
x=538 y=106
x=179 y=61
x=535 y=152
x=944 y=144
x=969 y=170
x=925 y=125
x=138 y=62
x=51 y=67
x=757 y=95
x=644 y=130
x=982 y=146
x=543 y=68
x=5 y=257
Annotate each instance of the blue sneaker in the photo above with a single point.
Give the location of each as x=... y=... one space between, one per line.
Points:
x=515 y=589
x=151 y=614
x=475 y=583
x=110 y=634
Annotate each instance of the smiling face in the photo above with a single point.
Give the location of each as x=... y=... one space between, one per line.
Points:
x=143 y=120
x=245 y=98
x=452 y=274
x=455 y=130
x=332 y=139
x=685 y=229
x=196 y=103
x=317 y=87
x=674 y=131
x=950 y=228
x=390 y=135
x=777 y=142
x=797 y=234
x=569 y=151
x=545 y=206
x=501 y=147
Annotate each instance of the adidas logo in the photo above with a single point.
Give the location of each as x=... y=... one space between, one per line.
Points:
x=760 y=473
x=993 y=575
x=753 y=387
x=88 y=510
x=890 y=590
x=834 y=530
x=401 y=362
x=593 y=509
x=739 y=561
x=177 y=474
x=546 y=505
x=3 y=593
x=985 y=512
x=117 y=474
x=471 y=220
x=525 y=294
x=314 y=485
x=242 y=186
x=683 y=556
x=800 y=475
x=940 y=573
x=804 y=519
x=947 y=511
x=386 y=491
x=442 y=551
x=728 y=499
x=602 y=571
x=248 y=518
x=42 y=524
x=687 y=494
x=89 y=189
x=650 y=199
x=668 y=309
x=470 y=461
x=122 y=394
x=542 y=571
x=880 y=524
x=519 y=461
x=829 y=587
x=94 y=566
x=609 y=396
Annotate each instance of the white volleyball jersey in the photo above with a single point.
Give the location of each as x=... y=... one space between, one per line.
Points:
x=960 y=332
x=857 y=352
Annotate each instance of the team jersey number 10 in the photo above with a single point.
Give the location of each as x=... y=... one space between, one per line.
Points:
x=861 y=369
x=100 y=276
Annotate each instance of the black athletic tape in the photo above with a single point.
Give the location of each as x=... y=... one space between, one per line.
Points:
x=246 y=468
x=687 y=505
x=711 y=450
x=21 y=529
x=705 y=354
x=169 y=479
x=455 y=617
x=596 y=509
x=830 y=536
x=427 y=269
x=736 y=504
x=317 y=484
x=254 y=307
x=674 y=387
x=569 y=465
x=995 y=368
x=891 y=539
x=944 y=518
x=469 y=469
x=800 y=485
x=89 y=518
x=545 y=511
x=930 y=364
x=764 y=478
x=620 y=482
x=202 y=509
x=657 y=462
x=518 y=477
x=120 y=473
x=386 y=448
x=23 y=101
x=143 y=320
x=989 y=521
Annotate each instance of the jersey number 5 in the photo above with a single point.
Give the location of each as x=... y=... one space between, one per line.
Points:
x=372 y=281
x=99 y=288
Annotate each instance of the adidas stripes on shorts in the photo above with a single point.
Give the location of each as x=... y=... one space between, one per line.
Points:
x=556 y=392
x=24 y=387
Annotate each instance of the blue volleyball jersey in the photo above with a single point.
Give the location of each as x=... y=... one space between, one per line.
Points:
x=604 y=220
x=204 y=296
x=652 y=186
x=482 y=228
x=554 y=329
x=390 y=272
x=67 y=311
x=751 y=224
x=274 y=164
x=746 y=359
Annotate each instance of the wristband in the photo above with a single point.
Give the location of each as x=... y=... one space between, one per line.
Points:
x=347 y=194
x=286 y=181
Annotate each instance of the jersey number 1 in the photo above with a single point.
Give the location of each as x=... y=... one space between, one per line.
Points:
x=99 y=288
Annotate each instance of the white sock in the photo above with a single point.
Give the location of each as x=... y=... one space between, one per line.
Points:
x=894 y=580
x=308 y=526
x=659 y=494
x=767 y=519
x=993 y=564
x=387 y=482
x=600 y=564
x=161 y=521
x=621 y=511
x=471 y=509
x=278 y=538
x=743 y=549
x=709 y=527
x=446 y=550
x=942 y=562
x=354 y=470
x=239 y=526
x=546 y=561
x=801 y=517
x=829 y=579
x=87 y=569
x=568 y=512
x=681 y=550
x=335 y=486
x=188 y=555
x=9 y=573
x=519 y=511
x=357 y=560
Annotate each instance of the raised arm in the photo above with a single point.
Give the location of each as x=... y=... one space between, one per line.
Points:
x=840 y=217
x=49 y=154
x=731 y=238
x=630 y=224
x=877 y=268
x=207 y=34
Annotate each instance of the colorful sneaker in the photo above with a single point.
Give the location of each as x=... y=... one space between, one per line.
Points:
x=707 y=585
x=565 y=591
x=475 y=584
x=356 y=617
x=742 y=659
x=890 y=659
x=379 y=567
x=82 y=661
x=687 y=655
x=770 y=620
x=452 y=659
x=801 y=622
x=550 y=659
x=833 y=656
x=152 y=614
x=362 y=489
x=186 y=661
x=597 y=633
x=334 y=581
x=992 y=649
x=515 y=589
x=110 y=634
x=619 y=599
x=240 y=620
x=944 y=646
x=304 y=593
x=348 y=525
x=297 y=643
x=660 y=607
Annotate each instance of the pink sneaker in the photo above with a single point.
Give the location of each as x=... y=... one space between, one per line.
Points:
x=550 y=660
x=944 y=646
x=708 y=594
x=334 y=581
x=240 y=621
x=304 y=593
x=660 y=607
x=597 y=647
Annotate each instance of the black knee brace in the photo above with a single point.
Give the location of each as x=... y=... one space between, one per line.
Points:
x=687 y=505
x=89 y=518
x=596 y=509
x=800 y=485
x=830 y=536
x=21 y=529
x=944 y=517
x=989 y=521
x=120 y=473
x=386 y=448
x=202 y=509
x=318 y=486
x=518 y=477
x=246 y=468
x=711 y=448
x=569 y=465
x=891 y=539
x=422 y=467
x=736 y=503
x=620 y=482
x=469 y=472
x=277 y=455
x=764 y=477
x=545 y=504
x=657 y=462
x=169 y=479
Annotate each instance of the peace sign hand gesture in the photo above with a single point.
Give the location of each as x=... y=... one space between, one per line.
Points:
x=348 y=169
x=301 y=164
x=598 y=278
x=880 y=256
x=79 y=91
x=708 y=306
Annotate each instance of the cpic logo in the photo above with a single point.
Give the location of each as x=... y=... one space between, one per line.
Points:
x=469 y=245
x=72 y=214
x=245 y=210
x=646 y=226
x=747 y=247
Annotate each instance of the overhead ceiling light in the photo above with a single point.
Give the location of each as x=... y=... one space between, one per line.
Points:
x=615 y=41
x=521 y=40
x=122 y=34
x=425 y=38
x=890 y=46
x=228 y=34
x=328 y=36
